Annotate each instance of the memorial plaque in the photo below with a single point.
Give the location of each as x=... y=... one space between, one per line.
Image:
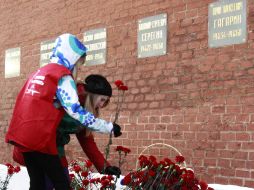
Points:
x=227 y=23
x=12 y=62
x=152 y=36
x=96 y=43
x=46 y=51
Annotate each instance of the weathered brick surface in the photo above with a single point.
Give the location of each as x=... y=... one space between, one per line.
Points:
x=198 y=99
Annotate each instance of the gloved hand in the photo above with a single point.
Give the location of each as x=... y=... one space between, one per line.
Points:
x=117 y=130
x=113 y=170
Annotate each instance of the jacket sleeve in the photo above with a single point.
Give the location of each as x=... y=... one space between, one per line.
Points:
x=91 y=150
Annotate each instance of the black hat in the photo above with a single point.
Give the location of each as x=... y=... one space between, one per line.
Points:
x=98 y=84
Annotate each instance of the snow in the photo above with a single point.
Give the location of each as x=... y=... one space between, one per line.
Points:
x=228 y=187
x=20 y=181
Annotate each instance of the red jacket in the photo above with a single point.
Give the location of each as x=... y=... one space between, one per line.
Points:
x=35 y=119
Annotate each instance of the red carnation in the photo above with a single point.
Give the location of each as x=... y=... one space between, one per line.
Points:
x=85 y=182
x=151 y=173
x=152 y=158
x=123 y=87
x=84 y=174
x=142 y=157
x=88 y=163
x=10 y=171
x=119 y=148
x=126 y=150
x=203 y=185
x=118 y=83
x=110 y=177
x=179 y=159
x=76 y=168
x=126 y=180
x=16 y=169
x=105 y=182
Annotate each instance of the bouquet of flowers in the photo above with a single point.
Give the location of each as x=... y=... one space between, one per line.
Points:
x=166 y=174
x=81 y=177
x=10 y=171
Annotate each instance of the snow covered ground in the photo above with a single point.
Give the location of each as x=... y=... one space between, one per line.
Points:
x=20 y=181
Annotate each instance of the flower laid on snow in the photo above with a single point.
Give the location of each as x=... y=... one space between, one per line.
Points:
x=10 y=171
x=79 y=173
x=163 y=175
x=122 y=152
x=81 y=177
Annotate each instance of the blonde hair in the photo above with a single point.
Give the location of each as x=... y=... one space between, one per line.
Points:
x=89 y=105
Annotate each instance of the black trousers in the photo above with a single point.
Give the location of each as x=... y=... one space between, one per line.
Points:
x=39 y=165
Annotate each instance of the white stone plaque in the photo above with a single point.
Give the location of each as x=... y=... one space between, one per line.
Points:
x=12 y=62
x=46 y=51
x=96 y=43
x=152 y=36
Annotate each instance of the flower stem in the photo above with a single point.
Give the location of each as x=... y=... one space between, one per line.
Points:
x=107 y=150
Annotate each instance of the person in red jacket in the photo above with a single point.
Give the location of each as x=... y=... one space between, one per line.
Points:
x=40 y=105
x=94 y=94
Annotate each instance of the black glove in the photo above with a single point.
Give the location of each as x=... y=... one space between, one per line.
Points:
x=117 y=130
x=113 y=170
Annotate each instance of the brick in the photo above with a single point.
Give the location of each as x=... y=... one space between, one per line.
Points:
x=201 y=136
x=154 y=105
x=154 y=135
x=189 y=135
x=243 y=118
x=213 y=171
x=243 y=137
x=238 y=182
x=210 y=162
x=228 y=136
x=249 y=183
x=218 y=109
x=234 y=145
x=242 y=173
x=238 y=164
x=224 y=163
x=221 y=180
x=143 y=105
x=143 y=135
x=233 y=109
x=132 y=106
x=165 y=119
x=142 y=119
x=251 y=155
x=177 y=119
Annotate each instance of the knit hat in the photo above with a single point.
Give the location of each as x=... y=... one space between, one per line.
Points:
x=98 y=84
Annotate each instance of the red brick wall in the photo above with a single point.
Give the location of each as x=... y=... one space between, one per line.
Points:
x=198 y=99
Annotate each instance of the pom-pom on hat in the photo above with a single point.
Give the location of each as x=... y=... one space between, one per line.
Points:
x=98 y=84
